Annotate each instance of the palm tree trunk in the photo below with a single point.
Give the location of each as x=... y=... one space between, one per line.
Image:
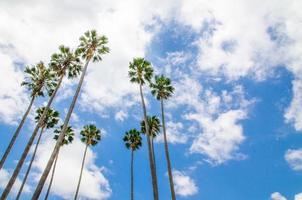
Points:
x=80 y=178
x=152 y=167
x=167 y=152
x=52 y=176
x=153 y=152
x=16 y=134
x=61 y=137
x=29 y=144
x=30 y=164
x=132 y=176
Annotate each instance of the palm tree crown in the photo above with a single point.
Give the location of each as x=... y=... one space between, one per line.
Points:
x=162 y=88
x=51 y=119
x=132 y=139
x=154 y=126
x=90 y=135
x=93 y=46
x=69 y=135
x=140 y=70
x=66 y=61
x=38 y=79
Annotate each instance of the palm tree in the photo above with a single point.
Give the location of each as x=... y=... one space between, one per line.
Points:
x=91 y=47
x=141 y=71
x=90 y=136
x=154 y=126
x=69 y=135
x=50 y=121
x=61 y=63
x=133 y=141
x=162 y=90
x=38 y=78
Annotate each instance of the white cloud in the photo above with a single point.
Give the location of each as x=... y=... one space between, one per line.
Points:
x=298 y=196
x=294 y=112
x=220 y=138
x=4 y=178
x=294 y=158
x=184 y=185
x=94 y=185
x=277 y=196
x=175 y=133
x=121 y=116
x=13 y=100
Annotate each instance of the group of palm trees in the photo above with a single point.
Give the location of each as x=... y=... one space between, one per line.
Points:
x=141 y=73
x=42 y=80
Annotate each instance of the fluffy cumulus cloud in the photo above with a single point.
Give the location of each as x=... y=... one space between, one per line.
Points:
x=13 y=99
x=175 y=133
x=277 y=196
x=298 y=196
x=184 y=185
x=94 y=185
x=294 y=158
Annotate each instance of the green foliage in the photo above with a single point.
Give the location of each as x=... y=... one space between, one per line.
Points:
x=69 y=135
x=132 y=139
x=91 y=135
x=92 y=46
x=140 y=71
x=162 y=88
x=39 y=79
x=51 y=118
x=154 y=126
x=65 y=61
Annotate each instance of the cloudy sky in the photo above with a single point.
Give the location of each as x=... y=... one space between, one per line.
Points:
x=234 y=122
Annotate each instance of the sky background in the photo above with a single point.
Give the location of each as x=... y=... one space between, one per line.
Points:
x=234 y=123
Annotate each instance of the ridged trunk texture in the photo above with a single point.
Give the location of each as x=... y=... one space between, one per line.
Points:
x=52 y=176
x=30 y=164
x=167 y=152
x=151 y=160
x=81 y=173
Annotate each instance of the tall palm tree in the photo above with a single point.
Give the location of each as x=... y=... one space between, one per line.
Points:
x=62 y=63
x=162 y=90
x=50 y=121
x=133 y=141
x=140 y=72
x=90 y=136
x=154 y=126
x=69 y=136
x=92 y=47
x=37 y=79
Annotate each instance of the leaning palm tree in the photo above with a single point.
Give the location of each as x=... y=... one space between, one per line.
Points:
x=50 y=121
x=90 y=136
x=133 y=141
x=91 y=47
x=162 y=90
x=154 y=126
x=62 y=63
x=140 y=72
x=38 y=78
x=69 y=135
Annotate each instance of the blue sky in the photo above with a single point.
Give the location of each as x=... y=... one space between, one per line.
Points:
x=234 y=123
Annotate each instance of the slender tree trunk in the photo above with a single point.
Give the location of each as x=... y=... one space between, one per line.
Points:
x=29 y=144
x=16 y=134
x=152 y=167
x=61 y=137
x=30 y=164
x=80 y=178
x=132 y=176
x=153 y=151
x=52 y=176
x=167 y=152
